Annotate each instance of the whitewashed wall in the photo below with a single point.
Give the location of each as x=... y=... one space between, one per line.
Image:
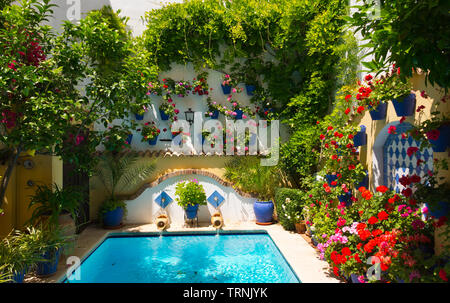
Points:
x=234 y=208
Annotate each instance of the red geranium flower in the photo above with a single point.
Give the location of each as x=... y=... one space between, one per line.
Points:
x=411 y=150
x=392 y=130
x=347 y=111
x=346 y=251
x=382 y=215
x=360 y=109
x=372 y=220
x=443 y=275
x=382 y=189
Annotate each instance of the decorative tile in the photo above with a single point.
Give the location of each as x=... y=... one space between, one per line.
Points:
x=397 y=163
x=215 y=199
x=163 y=199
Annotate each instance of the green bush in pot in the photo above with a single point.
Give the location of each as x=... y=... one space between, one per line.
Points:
x=190 y=194
x=289 y=211
x=118 y=173
x=50 y=202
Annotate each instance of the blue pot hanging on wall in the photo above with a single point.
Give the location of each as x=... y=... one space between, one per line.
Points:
x=442 y=209
x=379 y=113
x=345 y=198
x=263 y=212
x=360 y=138
x=331 y=178
x=191 y=211
x=215 y=114
x=163 y=115
x=50 y=266
x=226 y=89
x=442 y=142
x=139 y=117
x=250 y=89
x=113 y=218
x=153 y=141
x=364 y=182
x=405 y=106
x=239 y=114
x=129 y=139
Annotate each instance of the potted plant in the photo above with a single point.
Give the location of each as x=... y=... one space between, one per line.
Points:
x=117 y=173
x=251 y=176
x=360 y=138
x=118 y=137
x=56 y=206
x=200 y=84
x=399 y=92
x=150 y=133
x=436 y=131
x=205 y=135
x=139 y=112
x=17 y=256
x=182 y=88
x=190 y=194
x=370 y=95
x=49 y=242
x=166 y=110
x=229 y=84
x=213 y=109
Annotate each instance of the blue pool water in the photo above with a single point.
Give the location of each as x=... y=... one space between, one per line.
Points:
x=198 y=258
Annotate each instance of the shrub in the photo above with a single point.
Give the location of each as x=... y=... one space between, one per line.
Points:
x=289 y=212
x=190 y=193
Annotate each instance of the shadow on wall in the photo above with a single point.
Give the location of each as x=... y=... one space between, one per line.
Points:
x=235 y=208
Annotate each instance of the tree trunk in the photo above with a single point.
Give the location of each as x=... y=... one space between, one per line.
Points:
x=7 y=175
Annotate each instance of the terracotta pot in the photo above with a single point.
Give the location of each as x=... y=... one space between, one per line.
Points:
x=300 y=227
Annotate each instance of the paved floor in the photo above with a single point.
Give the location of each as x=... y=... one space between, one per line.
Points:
x=303 y=258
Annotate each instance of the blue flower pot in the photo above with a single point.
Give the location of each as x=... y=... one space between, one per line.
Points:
x=129 y=139
x=18 y=277
x=360 y=138
x=163 y=115
x=263 y=211
x=345 y=198
x=331 y=178
x=50 y=267
x=153 y=141
x=113 y=218
x=313 y=240
x=239 y=114
x=364 y=182
x=354 y=279
x=191 y=211
x=441 y=144
x=215 y=114
x=406 y=106
x=250 y=89
x=226 y=89
x=380 y=112
x=139 y=117
x=440 y=210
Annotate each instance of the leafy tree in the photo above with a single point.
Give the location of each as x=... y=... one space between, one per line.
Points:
x=42 y=108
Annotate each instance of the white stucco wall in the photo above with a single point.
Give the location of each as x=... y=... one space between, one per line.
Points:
x=234 y=208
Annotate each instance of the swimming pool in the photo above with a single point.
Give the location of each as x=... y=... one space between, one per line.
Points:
x=187 y=258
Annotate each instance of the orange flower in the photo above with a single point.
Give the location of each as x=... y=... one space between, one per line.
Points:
x=382 y=189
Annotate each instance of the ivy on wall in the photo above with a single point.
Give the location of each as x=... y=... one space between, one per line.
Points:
x=289 y=49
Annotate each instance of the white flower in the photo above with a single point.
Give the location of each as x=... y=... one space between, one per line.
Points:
x=288 y=200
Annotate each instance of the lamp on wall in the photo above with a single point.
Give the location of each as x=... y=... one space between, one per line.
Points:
x=189 y=116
